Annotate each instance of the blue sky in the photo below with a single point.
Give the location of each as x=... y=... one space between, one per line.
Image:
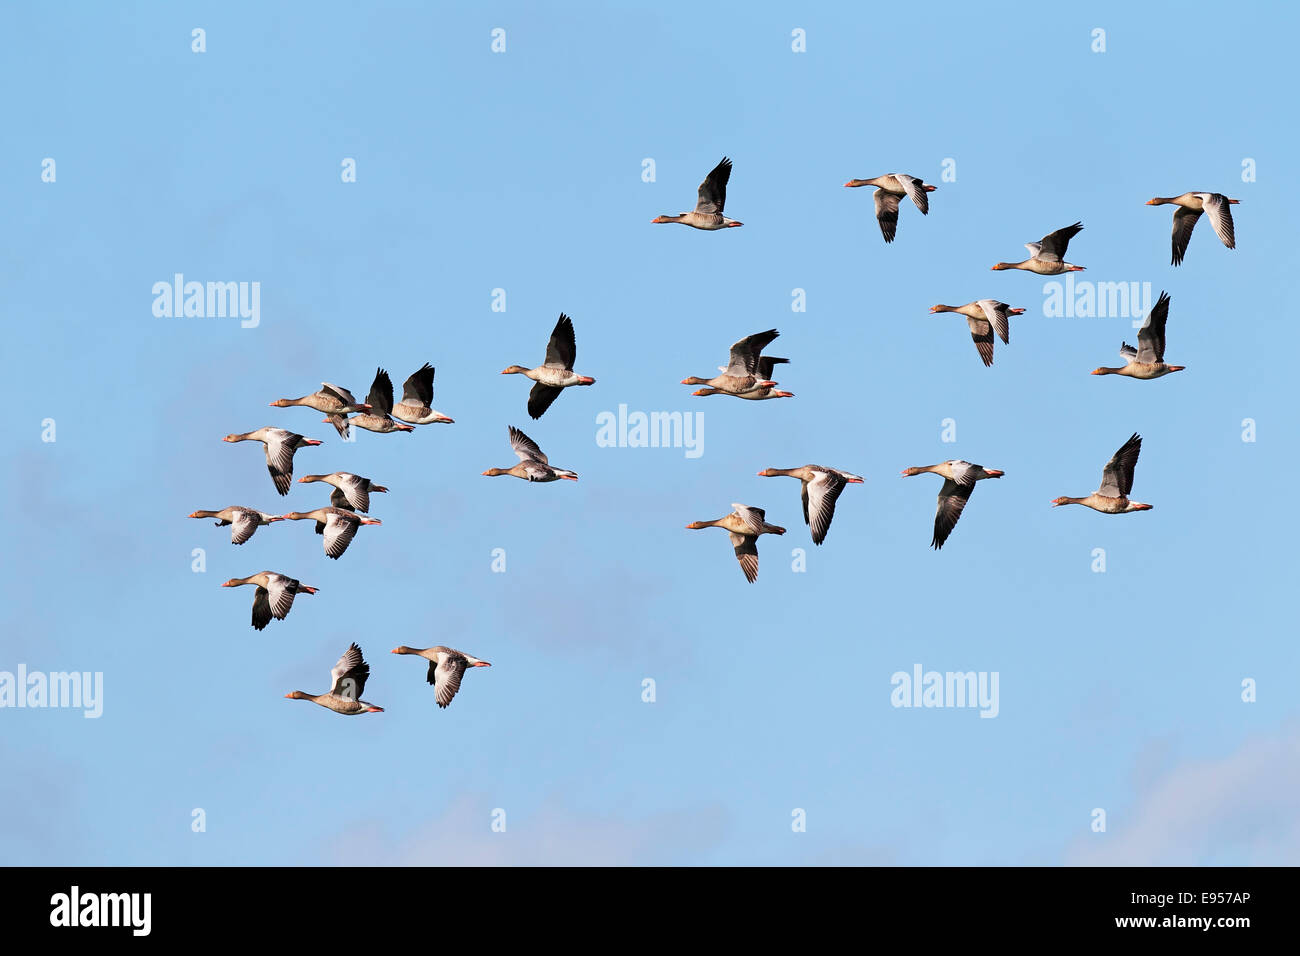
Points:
x=522 y=171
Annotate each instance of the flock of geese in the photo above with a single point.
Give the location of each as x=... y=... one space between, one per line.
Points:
x=747 y=375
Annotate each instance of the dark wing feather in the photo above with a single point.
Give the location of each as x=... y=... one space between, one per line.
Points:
x=1054 y=244
x=1151 y=337
x=952 y=501
x=418 y=389
x=1184 y=223
x=713 y=191
x=981 y=332
x=540 y=398
x=887 y=213
x=562 y=349
x=381 y=394
x=746 y=546
x=1117 y=476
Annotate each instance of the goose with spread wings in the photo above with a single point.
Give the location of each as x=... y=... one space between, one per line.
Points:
x=556 y=373
x=959 y=478
x=1116 y=483
x=280 y=446
x=1190 y=206
x=533 y=463
x=984 y=317
x=744 y=525
x=890 y=190
x=1147 y=361
x=417 y=399
x=273 y=597
x=347 y=683
x=446 y=668
x=820 y=488
x=707 y=213
x=242 y=521
x=1047 y=256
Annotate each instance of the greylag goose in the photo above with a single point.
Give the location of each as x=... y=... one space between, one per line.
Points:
x=347 y=683
x=1116 y=482
x=341 y=526
x=533 y=464
x=355 y=489
x=379 y=418
x=1190 y=206
x=820 y=487
x=243 y=521
x=337 y=500
x=959 y=479
x=890 y=189
x=766 y=389
x=280 y=446
x=744 y=525
x=984 y=317
x=1148 y=359
x=556 y=373
x=335 y=400
x=1047 y=258
x=707 y=213
x=274 y=595
x=417 y=394
x=446 y=667
x=742 y=373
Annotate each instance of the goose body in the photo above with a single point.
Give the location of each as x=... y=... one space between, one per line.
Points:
x=533 y=463
x=890 y=190
x=1116 y=483
x=556 y=373
x=1190 y=206
x=820 y=488
x=711 y=199
x=1147 y=361
x=380 y=399
x=335 y=400
x=273 y=597
x=347 y=683
x=243 y=521
x=959 y=478
x=280 y=446
x=1047 y=257
x=744 y=526
x=743 y=372
x=355 y=489
x=446 y=668
x=417 y=396
x=984 y=317
x=763 y=389
x=341 y=526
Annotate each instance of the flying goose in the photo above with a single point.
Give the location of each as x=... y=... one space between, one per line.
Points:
x=335 y=400
x=1047 y=258
x=354 y=489
x=417 y=395
x=533 y=463
x=379 y=417
x=1190 y=206
x=743 y=373
x=1148 y=359
x=708 y=207
x=984 y=317
x=959 y=479
x=243 y=521
x=446 y=667
x=890 y=189
x=1116 y=482
x=273 y=597
x=820 y=487
x=744 y=525
x=556 y=373
x=341 y=526
x=280 y=446
x=347 y=683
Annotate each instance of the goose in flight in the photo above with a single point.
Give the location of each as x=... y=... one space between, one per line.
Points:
x=556 y=373
x=890 y=190
x=533 y=463
x=243 y=521
x=744 y=525
x=273 y=597
x=707 y=213
x=379 y=417
x=446 y=667
x=1116 y=482
x=744 y=372
x=1047 y=258
x=984 y=317
x=280 y=446
x=959 y=479
x=1190 y=206
x=1148 y=359
x=347 y=683
x=820 y=488
x=417 y=396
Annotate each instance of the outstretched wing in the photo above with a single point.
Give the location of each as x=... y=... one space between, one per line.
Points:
x=713 y=191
